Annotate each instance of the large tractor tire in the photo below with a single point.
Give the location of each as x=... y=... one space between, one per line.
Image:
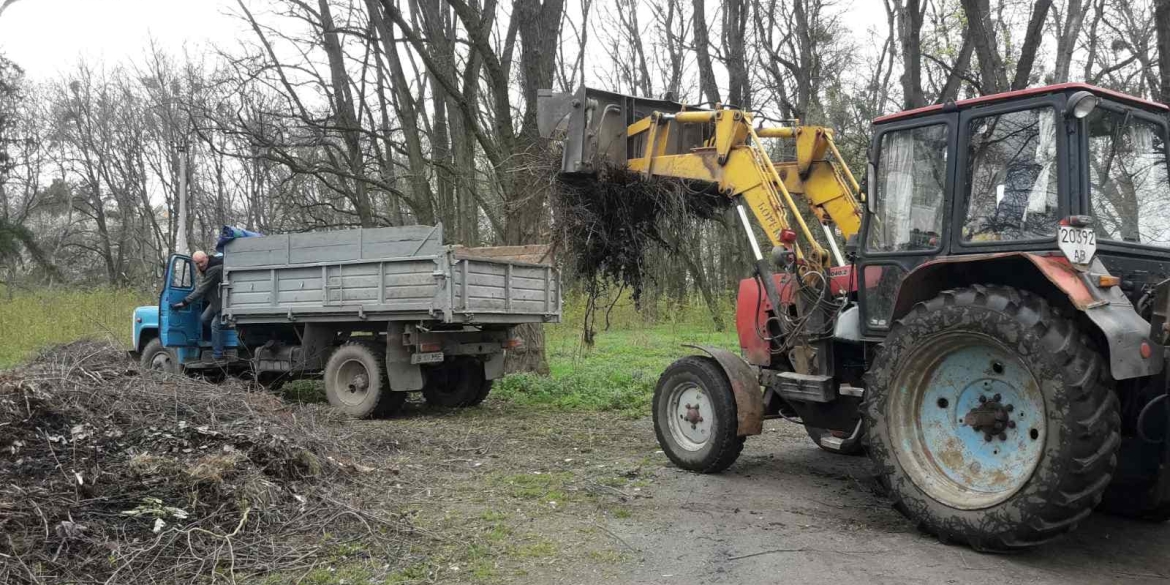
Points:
x=356 y=383
x=161 y=359
x=695 y=416
x=456 y=384
x=991 y=420
x=1134 y=491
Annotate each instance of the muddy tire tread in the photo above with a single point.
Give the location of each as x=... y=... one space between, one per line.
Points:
x=1092 y=408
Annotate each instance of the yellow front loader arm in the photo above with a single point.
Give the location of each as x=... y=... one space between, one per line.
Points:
x=734 y=158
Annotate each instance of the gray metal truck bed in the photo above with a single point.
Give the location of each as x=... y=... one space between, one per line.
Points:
x=382 y=274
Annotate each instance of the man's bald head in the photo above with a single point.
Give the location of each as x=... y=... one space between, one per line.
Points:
x=200 y=258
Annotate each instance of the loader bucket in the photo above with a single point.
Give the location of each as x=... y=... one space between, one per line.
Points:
x=592 y=125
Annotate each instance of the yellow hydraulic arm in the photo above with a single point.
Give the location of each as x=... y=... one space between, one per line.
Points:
x=734 y=158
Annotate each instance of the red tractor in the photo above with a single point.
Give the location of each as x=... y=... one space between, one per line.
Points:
x=993 y=332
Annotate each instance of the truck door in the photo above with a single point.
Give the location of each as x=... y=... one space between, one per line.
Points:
x=178 y=327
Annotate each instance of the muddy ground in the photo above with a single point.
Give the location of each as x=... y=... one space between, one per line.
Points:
x=511 y=494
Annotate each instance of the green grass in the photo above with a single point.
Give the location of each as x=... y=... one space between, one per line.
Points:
x=33 y=321
x=621 y=368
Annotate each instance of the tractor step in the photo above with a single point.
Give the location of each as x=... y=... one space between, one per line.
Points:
x=847 y=390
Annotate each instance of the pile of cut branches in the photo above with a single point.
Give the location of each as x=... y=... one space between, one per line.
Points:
x=110 y=474
x=606 y=223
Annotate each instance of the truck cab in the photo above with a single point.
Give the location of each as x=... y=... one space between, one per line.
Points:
x=171 y=339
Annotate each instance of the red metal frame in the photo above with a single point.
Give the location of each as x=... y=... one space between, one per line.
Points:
x=752 y=306
x=987 y=99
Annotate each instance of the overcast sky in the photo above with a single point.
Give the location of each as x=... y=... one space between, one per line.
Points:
x=46 y=37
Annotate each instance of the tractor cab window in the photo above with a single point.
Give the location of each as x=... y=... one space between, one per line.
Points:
x=911 y=179
x=1128 y=180
x=1011 y=179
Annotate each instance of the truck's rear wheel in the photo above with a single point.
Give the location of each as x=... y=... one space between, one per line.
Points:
x=456 y=384
x=695 y=416
x=355 y=381
x=990 y=420
x=161 y=359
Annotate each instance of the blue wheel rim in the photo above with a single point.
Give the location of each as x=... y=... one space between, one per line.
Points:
x=967 y=419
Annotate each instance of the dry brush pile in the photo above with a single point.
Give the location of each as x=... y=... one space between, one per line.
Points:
x=607 y=223
x=113 y=475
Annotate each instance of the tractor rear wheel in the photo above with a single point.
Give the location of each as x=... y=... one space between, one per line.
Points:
x=1134 y=492
x=695 y=416
x=991 y=420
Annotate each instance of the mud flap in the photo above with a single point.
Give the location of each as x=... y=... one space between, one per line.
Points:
x=745 y=384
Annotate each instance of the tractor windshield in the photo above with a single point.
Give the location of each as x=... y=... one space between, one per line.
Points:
x=1128 y=177
x=1011 y=176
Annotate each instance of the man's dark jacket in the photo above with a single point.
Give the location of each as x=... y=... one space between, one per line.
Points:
x=208 y=288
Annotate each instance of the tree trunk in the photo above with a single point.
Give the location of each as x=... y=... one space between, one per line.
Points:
x=1066 y=40
x=1031 y=44
x=992 y=74
x=703 y=52
x=910 y=17
x=343 y=106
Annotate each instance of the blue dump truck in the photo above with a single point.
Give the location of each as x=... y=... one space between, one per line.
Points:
x=378 y=312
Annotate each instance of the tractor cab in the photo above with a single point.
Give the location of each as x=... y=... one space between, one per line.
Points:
x=1070 y=178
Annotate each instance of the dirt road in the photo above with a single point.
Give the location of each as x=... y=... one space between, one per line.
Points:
x=505 y=494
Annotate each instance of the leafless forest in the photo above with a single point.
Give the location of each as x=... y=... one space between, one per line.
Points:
x=343 y=113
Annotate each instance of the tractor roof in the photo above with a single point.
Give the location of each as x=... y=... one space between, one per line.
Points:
x=1023 y=93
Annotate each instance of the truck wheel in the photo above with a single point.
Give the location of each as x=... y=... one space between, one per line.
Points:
x=990 y=419
x=695 y=416
x=355 y=379
x=484 y=390
x=455 y=384
x=161 y=359
x=848 y=447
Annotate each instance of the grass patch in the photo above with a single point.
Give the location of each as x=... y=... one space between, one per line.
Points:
x=618 y=373
x=33 y=321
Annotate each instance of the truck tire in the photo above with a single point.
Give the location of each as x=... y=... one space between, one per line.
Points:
x=455 y=384
x=484 y=390
x=991 y=420
x=159 y=358
x=848 y=447
x=695 y=417
x=355 y=380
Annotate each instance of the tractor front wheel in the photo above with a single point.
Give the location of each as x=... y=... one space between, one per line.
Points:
x=991 y=420
x=695 y=416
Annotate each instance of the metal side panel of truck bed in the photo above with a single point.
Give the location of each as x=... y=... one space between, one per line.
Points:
x=383 y=274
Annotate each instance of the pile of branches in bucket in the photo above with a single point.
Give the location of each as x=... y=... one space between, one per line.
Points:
x=606 y=224
x=110 y=474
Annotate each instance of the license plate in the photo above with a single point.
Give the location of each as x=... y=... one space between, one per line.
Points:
x=426 y=358
x=1078 y=244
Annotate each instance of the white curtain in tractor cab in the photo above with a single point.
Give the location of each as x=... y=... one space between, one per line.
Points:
x=898 y=157
x=1041 y=198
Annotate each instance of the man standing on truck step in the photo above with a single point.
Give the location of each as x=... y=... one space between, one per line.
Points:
x=208 y=290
